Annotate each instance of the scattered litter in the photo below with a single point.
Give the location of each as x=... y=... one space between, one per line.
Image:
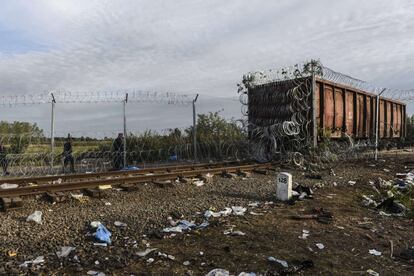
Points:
x=234 y=233
x=198 y=183
x=120 y=224
x=392 y=206
x=57 y=181
x=320 y=246
x=130 y=168
x=305 y=234
x=282 y=262
x=150 y=260
x=204 y=224
x=383 y=184
x=302 y=192
x=238 y=210
x=65 y=251
x=145 y=252
x=103 y=244
x=36 y=217
x=108 y=203
x=375 y=252
x=186 y=263
x=247 y=274
x=351 y=182
x=183 y=225
x=104 y=187
x=368 y=202
x=38 y=260
x=95 y=224
x=256 y=214
x=11 y=253
x=171 y=221
x=372 y=272
x=386 y=170
x=76 y=196
x=95 y=273
x=102 y=234
x=382 y=213
x=254 y=204
x=218 y=272
x=227 y=211
x=6 y=186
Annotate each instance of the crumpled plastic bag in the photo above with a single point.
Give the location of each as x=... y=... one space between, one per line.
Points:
x=65 y=251
x=6 y=186
x=102 y=234
x=183 y=225
x=36 y=261
x=36 y=217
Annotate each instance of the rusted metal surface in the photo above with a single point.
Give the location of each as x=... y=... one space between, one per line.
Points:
x=343 y=109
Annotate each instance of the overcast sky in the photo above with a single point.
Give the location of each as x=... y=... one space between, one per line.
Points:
x=188 y=47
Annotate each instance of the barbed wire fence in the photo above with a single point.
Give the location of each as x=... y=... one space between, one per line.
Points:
x=93 y=151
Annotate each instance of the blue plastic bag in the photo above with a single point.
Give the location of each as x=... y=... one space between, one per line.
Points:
x=130 y=168
x=102 y=234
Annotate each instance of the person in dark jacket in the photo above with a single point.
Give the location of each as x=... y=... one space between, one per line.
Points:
x=3 y=160
x=118 y=150
x=67 y=155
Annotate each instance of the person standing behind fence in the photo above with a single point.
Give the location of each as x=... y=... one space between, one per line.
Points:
x=118 y=150
x=3 y=160
x=67 y=155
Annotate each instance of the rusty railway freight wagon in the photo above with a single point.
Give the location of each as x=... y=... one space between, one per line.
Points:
x=338 y=109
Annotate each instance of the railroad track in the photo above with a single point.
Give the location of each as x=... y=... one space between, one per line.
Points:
x=90 y=181
x=83 y=176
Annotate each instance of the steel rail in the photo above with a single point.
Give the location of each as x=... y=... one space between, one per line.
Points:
x=64 y=177
x=71 y=186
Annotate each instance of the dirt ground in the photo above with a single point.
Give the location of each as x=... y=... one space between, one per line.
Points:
x=270 y=230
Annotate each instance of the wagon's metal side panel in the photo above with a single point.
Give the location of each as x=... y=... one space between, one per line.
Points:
x=328 y=119
x=338 y=112
x=381 y=119
x=398 y=122
x=360 y=116
x=368 y=120
x=388 y=119
x=349 y=106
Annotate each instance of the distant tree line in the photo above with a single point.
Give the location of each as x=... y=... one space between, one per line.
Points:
x=18 y=135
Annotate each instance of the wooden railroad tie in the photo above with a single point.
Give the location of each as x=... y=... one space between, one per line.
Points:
x=11 y=203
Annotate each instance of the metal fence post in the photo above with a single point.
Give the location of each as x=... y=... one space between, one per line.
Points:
x=195 y=129
x=377 y=124
x=52 y=131
x=125 y=131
